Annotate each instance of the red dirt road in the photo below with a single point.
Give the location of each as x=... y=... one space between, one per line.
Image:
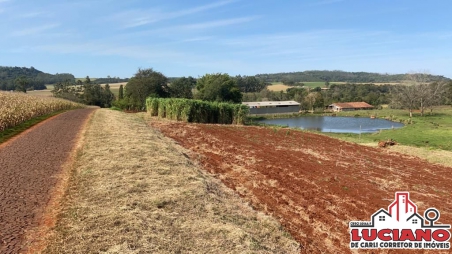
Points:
x=315 y=185
x=29 y=169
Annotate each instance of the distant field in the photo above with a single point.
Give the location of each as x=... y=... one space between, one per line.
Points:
x=83 y=79
x=42 y=93
x=114 y=88
x=278 y=86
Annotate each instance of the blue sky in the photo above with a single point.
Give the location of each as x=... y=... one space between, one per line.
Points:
x=247 y=37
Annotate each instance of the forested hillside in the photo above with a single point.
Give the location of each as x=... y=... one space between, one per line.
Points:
x=338 y=76
x=30 y=77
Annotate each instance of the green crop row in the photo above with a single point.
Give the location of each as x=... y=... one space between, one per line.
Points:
x=197 y=111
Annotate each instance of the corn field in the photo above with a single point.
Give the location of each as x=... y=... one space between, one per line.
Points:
x=16 y=108
x=196 y=111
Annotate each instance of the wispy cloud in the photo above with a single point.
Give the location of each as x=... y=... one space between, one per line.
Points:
x=34 y=30
x=218 y=23
x=325 y=2
x=195 y=39
x=33 y=14
x=196 y=26
x=144 y=17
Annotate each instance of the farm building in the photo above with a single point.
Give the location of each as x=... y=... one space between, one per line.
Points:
x=273 y=107
x=349 y=106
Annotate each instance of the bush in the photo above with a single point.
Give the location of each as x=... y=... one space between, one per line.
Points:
x=197 y=111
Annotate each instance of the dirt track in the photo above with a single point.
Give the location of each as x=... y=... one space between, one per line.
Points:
x=29 y=169
x=313 y=184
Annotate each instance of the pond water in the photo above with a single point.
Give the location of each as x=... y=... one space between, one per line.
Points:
x=335 y=124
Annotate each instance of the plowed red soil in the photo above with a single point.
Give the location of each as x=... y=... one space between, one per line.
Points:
x=315 y=185
x=29 y=166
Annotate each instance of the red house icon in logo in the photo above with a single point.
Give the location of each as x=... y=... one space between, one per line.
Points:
x=402 y=207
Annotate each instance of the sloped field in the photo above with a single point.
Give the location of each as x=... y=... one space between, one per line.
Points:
x=312 y=183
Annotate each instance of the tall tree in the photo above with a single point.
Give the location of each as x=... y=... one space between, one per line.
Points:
x=146 y=83
x=218 y=87
x=121 y=92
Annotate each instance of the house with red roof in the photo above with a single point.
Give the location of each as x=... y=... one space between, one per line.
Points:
x=349 y=106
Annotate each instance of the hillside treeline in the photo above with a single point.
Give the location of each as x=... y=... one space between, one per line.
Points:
x=338 y=76
x=31 y=78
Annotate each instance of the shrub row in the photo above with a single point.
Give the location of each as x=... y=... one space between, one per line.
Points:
x=197 y=111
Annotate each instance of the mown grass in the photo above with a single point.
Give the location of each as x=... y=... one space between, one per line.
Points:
x=135 y=191
x=11 y=132
x=431 y=131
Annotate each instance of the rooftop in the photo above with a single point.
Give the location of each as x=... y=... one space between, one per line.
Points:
x=361 y=104
x=271 y=103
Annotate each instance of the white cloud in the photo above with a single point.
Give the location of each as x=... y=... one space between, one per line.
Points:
x=34 y=30
x=135 y=18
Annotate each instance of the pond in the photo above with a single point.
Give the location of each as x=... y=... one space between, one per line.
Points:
x=335 y=124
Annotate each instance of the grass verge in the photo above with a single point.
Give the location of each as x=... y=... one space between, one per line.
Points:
x=135 y=191
x=11 y=132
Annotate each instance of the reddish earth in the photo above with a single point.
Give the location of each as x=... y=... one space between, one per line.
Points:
x=312 y=183
x=30 y=168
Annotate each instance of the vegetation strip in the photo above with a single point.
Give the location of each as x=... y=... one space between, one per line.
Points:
x=135 y=191
x=197 y=111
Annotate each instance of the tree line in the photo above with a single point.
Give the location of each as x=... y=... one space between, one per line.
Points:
x=216 y=87
x=420 y=93
x=23 y=79
x=338 y=76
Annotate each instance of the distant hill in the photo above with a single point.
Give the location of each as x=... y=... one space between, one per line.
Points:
x=338 y=76
x=36 y=79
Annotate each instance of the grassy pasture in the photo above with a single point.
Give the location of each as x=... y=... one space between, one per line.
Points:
x=428 y=131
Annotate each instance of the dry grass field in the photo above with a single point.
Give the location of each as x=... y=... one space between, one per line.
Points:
x=278 y=87
x=135 y=191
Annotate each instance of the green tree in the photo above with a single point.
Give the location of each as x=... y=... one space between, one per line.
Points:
x=250 y=84
x=218 y=87
x=21 y=84
x=145 y=83
x=182 y=87
x=107 y=96
x=121 y=92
